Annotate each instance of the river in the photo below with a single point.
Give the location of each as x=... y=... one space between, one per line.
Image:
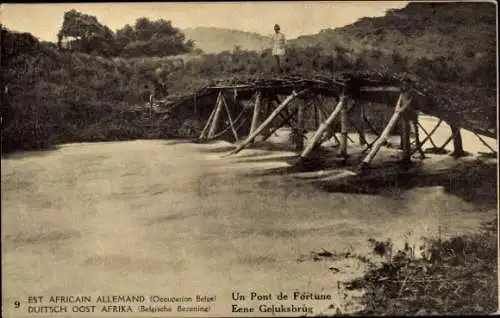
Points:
x=173 y=218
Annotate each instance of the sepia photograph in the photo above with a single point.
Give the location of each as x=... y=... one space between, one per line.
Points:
x=249 y=159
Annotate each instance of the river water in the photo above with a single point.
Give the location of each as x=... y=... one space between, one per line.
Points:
x=173 y=218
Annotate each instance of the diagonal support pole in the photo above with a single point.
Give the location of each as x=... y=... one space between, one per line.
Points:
x=235 y=134
x=403 y=103
x=422 y=143
x=215 y=120
x=427 y=134
x=256 y=111
x=322 y=128
x=266 y=122
x=204 y=132
x=283 y=123
x=285 y=112
x=484 y=142
x=362 y=139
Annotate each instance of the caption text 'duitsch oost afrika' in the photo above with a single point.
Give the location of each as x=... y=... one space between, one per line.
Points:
x=241 y=303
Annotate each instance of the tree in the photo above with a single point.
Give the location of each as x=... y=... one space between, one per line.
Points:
x=151 y=38
x=84 y=33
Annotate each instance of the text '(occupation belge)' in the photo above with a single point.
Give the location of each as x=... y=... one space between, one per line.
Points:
x=114 y=304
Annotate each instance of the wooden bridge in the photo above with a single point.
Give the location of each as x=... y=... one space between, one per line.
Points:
x=255 y=103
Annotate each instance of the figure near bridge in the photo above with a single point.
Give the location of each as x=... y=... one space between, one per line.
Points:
x=279 y=44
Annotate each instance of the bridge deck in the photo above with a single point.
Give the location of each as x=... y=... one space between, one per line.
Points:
x=365 y=86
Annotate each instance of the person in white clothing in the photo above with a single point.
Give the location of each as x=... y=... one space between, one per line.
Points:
x=279 y=43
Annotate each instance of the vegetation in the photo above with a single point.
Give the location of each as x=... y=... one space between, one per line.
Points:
x=83 y=33
x=455 y=276
x=51 y=96
x=90 y=87
x=462 y=31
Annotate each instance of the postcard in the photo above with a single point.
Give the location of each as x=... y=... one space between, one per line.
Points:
x=249 y=159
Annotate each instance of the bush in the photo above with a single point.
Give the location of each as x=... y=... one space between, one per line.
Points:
x=456 y=276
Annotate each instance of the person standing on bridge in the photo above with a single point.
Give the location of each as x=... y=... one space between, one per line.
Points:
x=279 y=43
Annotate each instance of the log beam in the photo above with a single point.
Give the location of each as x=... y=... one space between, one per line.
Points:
x=299 y=128
x=283 y=123
x=204 y=132
x=403 y=102
x=458 y=149
x=405 y=136
x=322 y=128
x=343 y=132
x=215 y=120
x=231 y=123
x=419 y=146
x=268 y=120
x=361 y=131
x=256 y=112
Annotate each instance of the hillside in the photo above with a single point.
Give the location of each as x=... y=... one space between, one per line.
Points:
x=461 y=30
x=215 y=40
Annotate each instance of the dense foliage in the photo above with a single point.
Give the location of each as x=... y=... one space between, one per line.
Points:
x=51 y=96
x=83 y=33
x=456 y=276
x=151 y=38
x=87 y=34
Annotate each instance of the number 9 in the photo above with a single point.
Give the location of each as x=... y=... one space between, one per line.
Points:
x=17 y=304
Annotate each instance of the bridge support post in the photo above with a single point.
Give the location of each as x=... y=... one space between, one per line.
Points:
x=405 y=136
x=362 y=135
x=298 y=132
x=403 y=102
x=318 y=135
x=343 y=132
x=268 y=121
x=267 y=103
x=256 y=112
x=215 y=120
x=317 y=116
x=458 y=149
x=231 y=123
x=204 y=132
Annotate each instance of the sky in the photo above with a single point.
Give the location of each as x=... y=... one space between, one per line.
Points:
x=295 y=18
